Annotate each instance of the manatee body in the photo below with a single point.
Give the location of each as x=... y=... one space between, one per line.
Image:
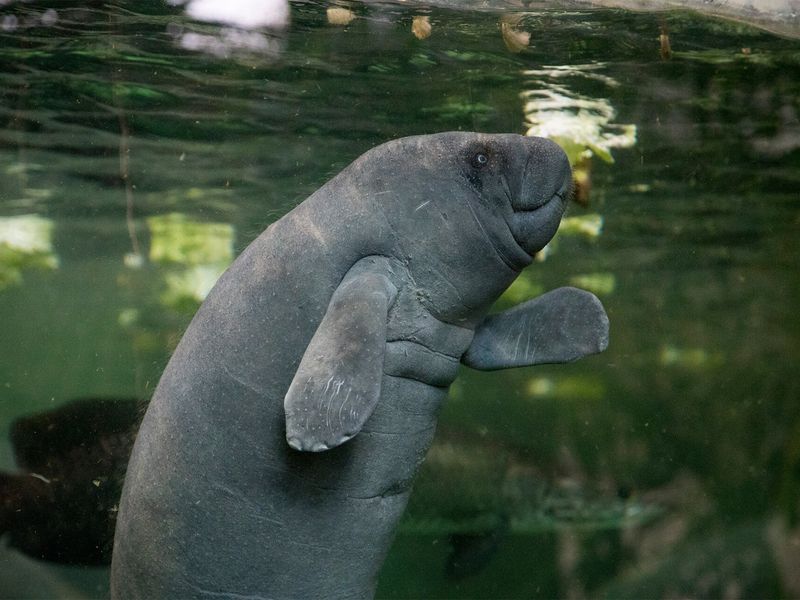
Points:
x=350 y=315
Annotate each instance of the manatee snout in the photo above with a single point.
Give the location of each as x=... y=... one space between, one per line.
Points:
x=545 y=190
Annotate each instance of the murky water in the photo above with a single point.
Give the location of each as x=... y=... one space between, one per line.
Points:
x=140 y=150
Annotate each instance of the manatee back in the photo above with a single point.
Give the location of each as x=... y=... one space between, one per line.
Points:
x=211 y=463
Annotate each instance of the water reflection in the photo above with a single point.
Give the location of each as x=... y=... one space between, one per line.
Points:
x=244 y=14
x=581 y=124
x=515 y=38
x=229 y=42
x=193 y=255
x=243 y=33
x=25 y=243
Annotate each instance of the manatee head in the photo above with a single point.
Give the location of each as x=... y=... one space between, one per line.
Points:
x=526 y=180
x=464 y=211
x=514 y=187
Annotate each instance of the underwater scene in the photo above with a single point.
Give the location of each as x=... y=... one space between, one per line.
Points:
x=144 y=145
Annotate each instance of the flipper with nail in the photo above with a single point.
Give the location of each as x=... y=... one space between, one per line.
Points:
x=338 y=382
x=560 y=326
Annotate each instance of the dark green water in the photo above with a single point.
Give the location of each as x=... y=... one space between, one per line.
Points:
x=132 y=169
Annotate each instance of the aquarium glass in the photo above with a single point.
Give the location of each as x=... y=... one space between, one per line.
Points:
x=143 y=146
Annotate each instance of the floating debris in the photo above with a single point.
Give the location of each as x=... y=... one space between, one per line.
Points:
x=421 y=27
x=515 y=39
x=340 y=16
x=663 y=39
x=582 y=181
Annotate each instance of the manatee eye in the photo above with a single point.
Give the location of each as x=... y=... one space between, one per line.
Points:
x=479 y=160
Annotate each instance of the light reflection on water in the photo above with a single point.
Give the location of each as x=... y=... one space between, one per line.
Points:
x=673 y=452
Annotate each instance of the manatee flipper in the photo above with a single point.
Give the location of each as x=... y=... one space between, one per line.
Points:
x=338 y=382
x=557 y=327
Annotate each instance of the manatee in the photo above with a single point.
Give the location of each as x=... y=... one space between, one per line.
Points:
x=278 y=451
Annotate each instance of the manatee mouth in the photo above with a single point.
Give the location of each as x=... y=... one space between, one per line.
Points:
x=531 y=196
x=536 y=185
x=562 y=195
x=537 y=215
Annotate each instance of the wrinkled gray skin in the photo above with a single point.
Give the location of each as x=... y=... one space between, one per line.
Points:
x=347 y=316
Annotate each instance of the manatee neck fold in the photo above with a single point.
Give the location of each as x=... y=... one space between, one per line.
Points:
x=503 y=243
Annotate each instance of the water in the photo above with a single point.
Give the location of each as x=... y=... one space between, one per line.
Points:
x=141 y=150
